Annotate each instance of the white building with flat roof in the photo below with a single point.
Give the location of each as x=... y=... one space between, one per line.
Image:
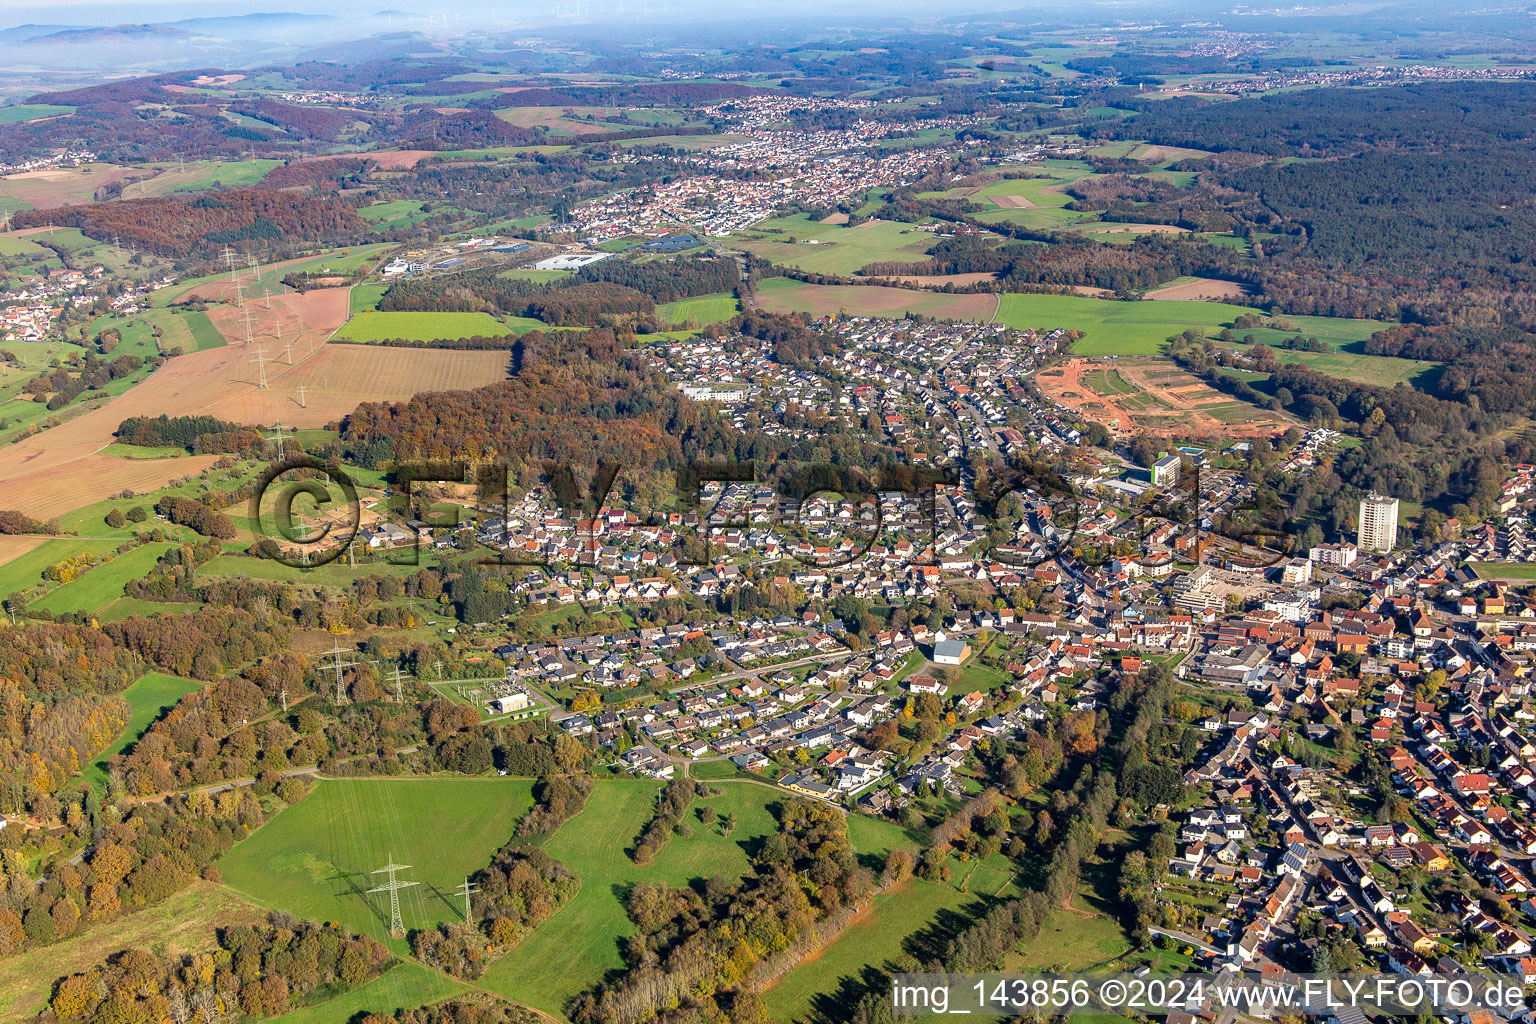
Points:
x=1378 y=523
x=571 y=260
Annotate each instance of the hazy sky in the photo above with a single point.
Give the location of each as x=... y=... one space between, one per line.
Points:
x=466 y=12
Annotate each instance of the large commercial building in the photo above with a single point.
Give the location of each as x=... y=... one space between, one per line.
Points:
x=1378 y=523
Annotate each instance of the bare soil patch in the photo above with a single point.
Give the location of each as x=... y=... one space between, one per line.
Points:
x=65 y=186
x=399 y=159
x=1012 y=202
x=1161 y=154
x=1203 y=288
x=14 y=545
x=55 y=490
x=873 y=300
x=1164 y=401
x=938 y=280
x=1138 y=229
x=338 y=378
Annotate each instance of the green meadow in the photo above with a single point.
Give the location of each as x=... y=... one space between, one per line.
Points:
x=26 y=571
x=317 y=857
x=103 y=584
x=150 y=697
x=834 y=248
x=23 y=112
x=572 y=951
x=702 y=310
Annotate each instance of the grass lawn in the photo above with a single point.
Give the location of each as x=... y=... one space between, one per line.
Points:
x=978 y=676
x=23 y=112
x=372 y=325
x=1112 y=328
x=184 y=923
x=335 y=574
x=396 y=214
x=366 y=296
x=824 y=988
x=1505 y=570
x=151 y=696
x=316 y=857
x=704 y=309
x=571 y=951
x=129 y=607
x=404 y=986
x=838 y=249
x=198 y=175
x=1115 y=328
x=26 y=571
x=104 y=583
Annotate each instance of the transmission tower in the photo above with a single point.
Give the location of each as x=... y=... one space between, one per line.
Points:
x=302 y=404
x=399 y=695
x=393 y=887
x=279 y=436
x=250 y=264
x=260 y=359
x=466 y=890
x=338 y=664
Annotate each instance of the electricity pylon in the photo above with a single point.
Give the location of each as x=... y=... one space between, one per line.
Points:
x=338 y=664
x=393 y=887
x=279 y=436
x=466 y=890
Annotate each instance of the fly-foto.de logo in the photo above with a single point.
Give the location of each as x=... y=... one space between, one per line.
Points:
x=1022 y=515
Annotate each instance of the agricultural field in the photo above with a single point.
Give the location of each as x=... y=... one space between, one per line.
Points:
x=1115 y=328
x=338 y=378
x=199 y=175
x=832 y=248
x=150 y=697
x=562 y=120
x=24 y=112
x=315 y=858
x=400 y=213
x=1348 y=360
x=85 y=478
x=62 y=186
x=23 y=257
x=1154 y=397
x=75 y=472
x=1202 y=288
x=82 y=249
x=701 y=310
x=1035 y=197
x=267 y=279
x=373 y=325
x=572 y=950
x=679 y=141
x=782 y=295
